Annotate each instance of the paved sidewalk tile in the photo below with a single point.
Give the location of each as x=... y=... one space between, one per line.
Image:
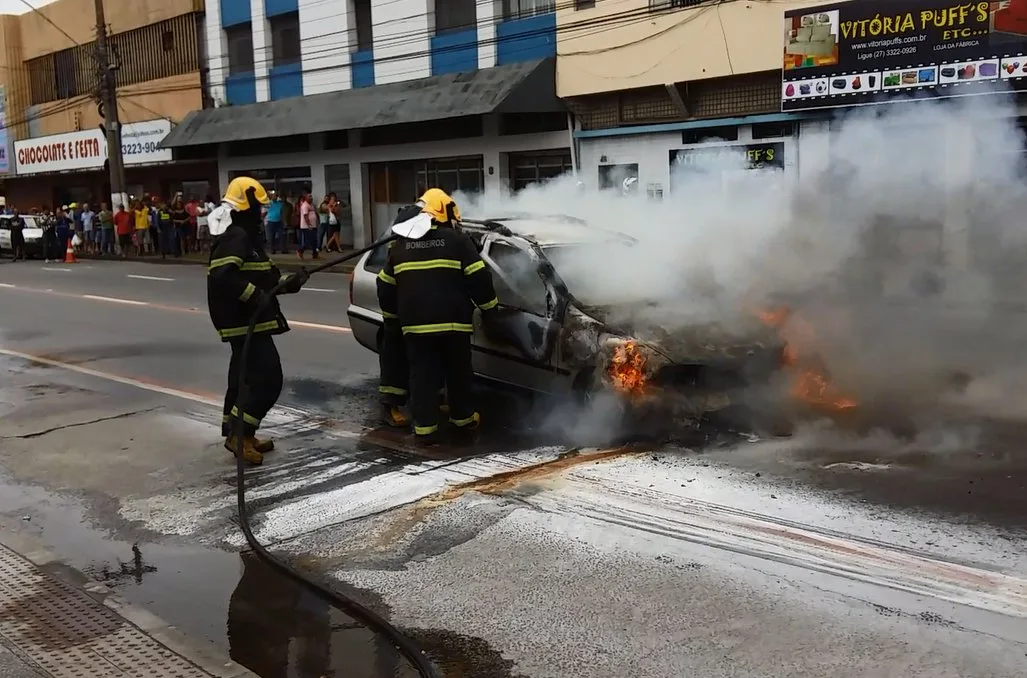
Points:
x=64 y=631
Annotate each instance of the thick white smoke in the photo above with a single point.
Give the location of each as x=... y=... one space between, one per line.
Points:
x=907 y=252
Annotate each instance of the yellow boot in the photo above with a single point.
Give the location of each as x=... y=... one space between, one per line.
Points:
x=264 y=445
x=250 y=454
x=395 y=417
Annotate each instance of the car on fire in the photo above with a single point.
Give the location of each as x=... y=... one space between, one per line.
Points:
x=543 y=338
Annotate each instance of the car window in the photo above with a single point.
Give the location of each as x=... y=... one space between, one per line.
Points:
x=529 y=291
x=376 y=261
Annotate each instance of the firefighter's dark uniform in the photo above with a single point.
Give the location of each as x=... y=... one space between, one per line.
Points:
x=432 y=286
x=239 y=276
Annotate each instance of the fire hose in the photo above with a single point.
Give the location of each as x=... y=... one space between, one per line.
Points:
x=406 y=645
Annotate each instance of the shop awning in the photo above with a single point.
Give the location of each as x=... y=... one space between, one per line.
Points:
x=527 y=87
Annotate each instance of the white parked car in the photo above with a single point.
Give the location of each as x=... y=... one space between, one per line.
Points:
x=33 y=235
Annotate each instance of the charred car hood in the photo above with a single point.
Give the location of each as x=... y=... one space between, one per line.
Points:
x=701 y=343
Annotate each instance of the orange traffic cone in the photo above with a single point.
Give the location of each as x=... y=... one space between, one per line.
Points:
x=69 y=254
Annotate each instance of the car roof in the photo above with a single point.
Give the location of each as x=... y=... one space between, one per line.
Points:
x=551 y=230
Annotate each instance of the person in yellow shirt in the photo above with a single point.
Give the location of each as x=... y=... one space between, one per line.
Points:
x=142 y=223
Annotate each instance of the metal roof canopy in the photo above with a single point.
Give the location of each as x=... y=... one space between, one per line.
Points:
x=526 y=87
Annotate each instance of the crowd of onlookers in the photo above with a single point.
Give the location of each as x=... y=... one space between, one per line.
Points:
x=155 y=226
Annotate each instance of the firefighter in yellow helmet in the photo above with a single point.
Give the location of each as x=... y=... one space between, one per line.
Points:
x=432 y=286
x=240 y=276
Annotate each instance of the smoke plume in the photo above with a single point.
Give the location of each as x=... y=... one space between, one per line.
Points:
x=905 y=252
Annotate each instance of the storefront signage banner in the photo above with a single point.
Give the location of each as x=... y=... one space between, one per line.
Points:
x=87 y=149
x=872 y=51
x=736 y=156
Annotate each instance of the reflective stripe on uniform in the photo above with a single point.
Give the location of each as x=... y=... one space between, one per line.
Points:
x=392 y=390
x=426 y=265
x=425 y=430
x=241 y=331
x=474 y=268
x=391 y=316
x=490 y=304
x=437 y=327
x=252 y=421
x=248 y=292
x=225 y=261
x=255 y=266
x=474 y=418
x=386 y=278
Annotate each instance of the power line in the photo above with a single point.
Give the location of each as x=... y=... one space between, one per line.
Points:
x=48 y=20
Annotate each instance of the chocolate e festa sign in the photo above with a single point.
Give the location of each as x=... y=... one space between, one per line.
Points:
x=87 y=149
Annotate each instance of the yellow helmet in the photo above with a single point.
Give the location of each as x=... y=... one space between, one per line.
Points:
x=439 y=205
x=235 y=194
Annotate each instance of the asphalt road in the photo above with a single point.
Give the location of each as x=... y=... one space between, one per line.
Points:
x=764 y=558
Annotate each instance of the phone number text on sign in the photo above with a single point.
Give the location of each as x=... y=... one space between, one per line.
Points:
x=139 y=148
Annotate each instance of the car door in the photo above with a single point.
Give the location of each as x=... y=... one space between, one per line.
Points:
x=519 y=346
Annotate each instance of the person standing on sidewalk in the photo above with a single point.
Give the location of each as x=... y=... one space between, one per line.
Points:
x=17 y=226
x=88 y=234
x=308 y=227
x=63 y=229
x=51 y=248
x=180 y=221
x=141 y=214
x=124 y=226
x=275 y=227
x=106 y=231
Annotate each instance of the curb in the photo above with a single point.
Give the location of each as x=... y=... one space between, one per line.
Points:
x=207 y=659
x=293 y=265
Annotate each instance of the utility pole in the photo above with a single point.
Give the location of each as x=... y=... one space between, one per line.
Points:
x=109 y=103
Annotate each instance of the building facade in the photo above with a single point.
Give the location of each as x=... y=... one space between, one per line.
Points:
x=658 y=86
x=376 y=100
x=56 y=151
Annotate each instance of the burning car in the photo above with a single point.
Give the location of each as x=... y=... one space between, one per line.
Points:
x=545 y=339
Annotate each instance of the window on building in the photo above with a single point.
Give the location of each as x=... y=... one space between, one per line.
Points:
x=773 y=130
x=532 y=168
x=457 y=174
x=365 y=31
x=455 y=15
x=240 y=48
x=167 y=41
x=519 y=9
x=285 y=38
x=709 y=134
x=64 y=74
x=584 y=4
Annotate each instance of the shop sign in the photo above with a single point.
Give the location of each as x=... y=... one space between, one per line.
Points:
x=868 y=52
x=87 y=149
x=140 y=142
x=733 y=156
x=83 y=150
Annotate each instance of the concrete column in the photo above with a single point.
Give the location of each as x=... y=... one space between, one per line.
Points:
x=359 y=195
x=495 y=163
x=215 y=51
x=261 y=49
x=489 y=13
x=318 y=181
x=327 y=37
x=402 y=39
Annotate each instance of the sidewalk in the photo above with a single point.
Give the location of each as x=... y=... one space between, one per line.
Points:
x=286 y=262
x=54 y=627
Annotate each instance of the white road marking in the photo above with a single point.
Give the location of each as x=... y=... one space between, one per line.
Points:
x=317 y=289
x=50 y=268
x=319 y=326
x=150 y=277
x=116 y=300
x=127 y=381
x=6 y=285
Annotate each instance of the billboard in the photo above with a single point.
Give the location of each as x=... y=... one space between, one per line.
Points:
x=873 y=51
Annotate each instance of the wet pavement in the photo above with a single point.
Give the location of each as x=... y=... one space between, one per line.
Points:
x=530 y=553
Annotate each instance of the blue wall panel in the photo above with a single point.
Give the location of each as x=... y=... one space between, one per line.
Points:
x=277 y=7
x=234 y=12
x=455 y=52
x=286 y=81
x=524 y=39
x=241 y=88
x=362 y=68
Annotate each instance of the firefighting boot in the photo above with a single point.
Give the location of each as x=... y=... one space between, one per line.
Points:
x=264 y=445
x=393 y=416
x=250 y=454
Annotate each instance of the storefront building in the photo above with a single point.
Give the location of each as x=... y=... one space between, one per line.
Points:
x=72 y=167
x=465 y=101
x=56 y=150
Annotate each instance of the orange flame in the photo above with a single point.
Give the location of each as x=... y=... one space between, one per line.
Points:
x=627 y=369
x=810 y=385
